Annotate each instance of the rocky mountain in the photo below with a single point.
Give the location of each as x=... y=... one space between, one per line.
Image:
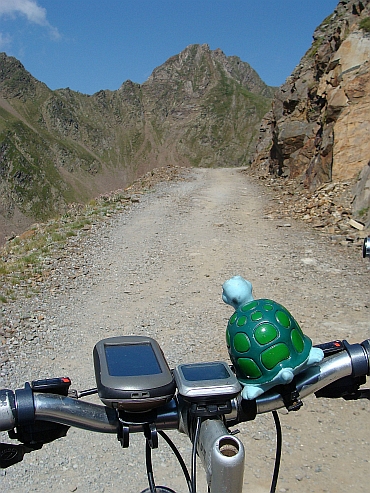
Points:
x=200 y=108
x=317 y=130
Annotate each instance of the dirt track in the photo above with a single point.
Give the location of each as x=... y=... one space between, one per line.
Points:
x=158 y=270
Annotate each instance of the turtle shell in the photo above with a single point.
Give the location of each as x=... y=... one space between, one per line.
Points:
x=262 y=338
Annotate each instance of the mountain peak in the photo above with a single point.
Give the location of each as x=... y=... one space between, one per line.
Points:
x=201 y=65
x=16 y=81
x=196 y=109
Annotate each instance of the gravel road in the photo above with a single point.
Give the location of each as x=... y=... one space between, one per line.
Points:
x=157 y=269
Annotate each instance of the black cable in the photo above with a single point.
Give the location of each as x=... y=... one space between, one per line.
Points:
x=84 y=393
x=149 y=467
x=149 y=464
x=194 y=457
x=178 y=457
x=278 y=452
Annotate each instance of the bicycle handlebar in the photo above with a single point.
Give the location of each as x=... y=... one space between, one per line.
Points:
x=24 y=406
x=72 y=412
x=39 y=416
x=353 y=362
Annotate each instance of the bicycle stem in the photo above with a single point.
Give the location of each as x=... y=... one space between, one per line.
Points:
x=222 y=455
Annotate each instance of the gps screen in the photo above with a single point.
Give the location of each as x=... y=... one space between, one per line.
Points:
x=131 y=360
x=212 y=371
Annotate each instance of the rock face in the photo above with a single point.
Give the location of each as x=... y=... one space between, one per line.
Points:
x=200 y=108
x=317 y=130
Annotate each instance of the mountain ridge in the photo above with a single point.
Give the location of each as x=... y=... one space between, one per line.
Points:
x=199 y=108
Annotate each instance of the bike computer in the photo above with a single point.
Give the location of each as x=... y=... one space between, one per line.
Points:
x=206 y=383
x=132 y=373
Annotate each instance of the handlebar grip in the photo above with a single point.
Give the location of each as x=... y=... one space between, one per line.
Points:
x=359 y=354
x=366 y=345
x=366 y=247
x=7 y=410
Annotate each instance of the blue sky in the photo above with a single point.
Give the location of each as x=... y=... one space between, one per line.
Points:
x=89 y=45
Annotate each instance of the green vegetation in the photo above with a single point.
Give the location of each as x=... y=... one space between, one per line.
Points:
x=225 y=132
x=363 y=212
x=32 y=186
x=314 y=47
x=326 y=21
x=365 y=24
x=25 y=260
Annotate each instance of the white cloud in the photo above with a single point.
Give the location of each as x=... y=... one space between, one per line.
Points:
x=5 y=41
x=31 y=10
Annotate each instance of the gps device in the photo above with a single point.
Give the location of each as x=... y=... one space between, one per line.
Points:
x=132 y=373
x=206 y=383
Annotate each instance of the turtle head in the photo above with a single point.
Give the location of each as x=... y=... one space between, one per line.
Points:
x=237 y=292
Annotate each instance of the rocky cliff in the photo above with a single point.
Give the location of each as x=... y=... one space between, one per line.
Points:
x=317 y=130
x=200 y=108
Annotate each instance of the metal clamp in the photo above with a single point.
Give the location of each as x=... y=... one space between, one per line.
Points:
x=123 y=434
x=151 y=435
x=291 y=397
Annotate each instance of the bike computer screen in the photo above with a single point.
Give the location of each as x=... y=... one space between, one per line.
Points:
x=132 y=373
x=211 y=382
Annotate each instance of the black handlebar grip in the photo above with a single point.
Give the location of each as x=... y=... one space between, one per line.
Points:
x=359 y=359
x=366 y=345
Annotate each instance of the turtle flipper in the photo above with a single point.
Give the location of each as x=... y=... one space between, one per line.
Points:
x=251 y=392
x=284 y=376
x=316 y=355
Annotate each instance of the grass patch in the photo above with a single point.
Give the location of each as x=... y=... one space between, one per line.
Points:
x=326 y=21
x=26 y=258
x=363 y=212
x=365 y=24
x=314 y=47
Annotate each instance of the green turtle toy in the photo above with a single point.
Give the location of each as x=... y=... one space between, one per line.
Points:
x=266 y=345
